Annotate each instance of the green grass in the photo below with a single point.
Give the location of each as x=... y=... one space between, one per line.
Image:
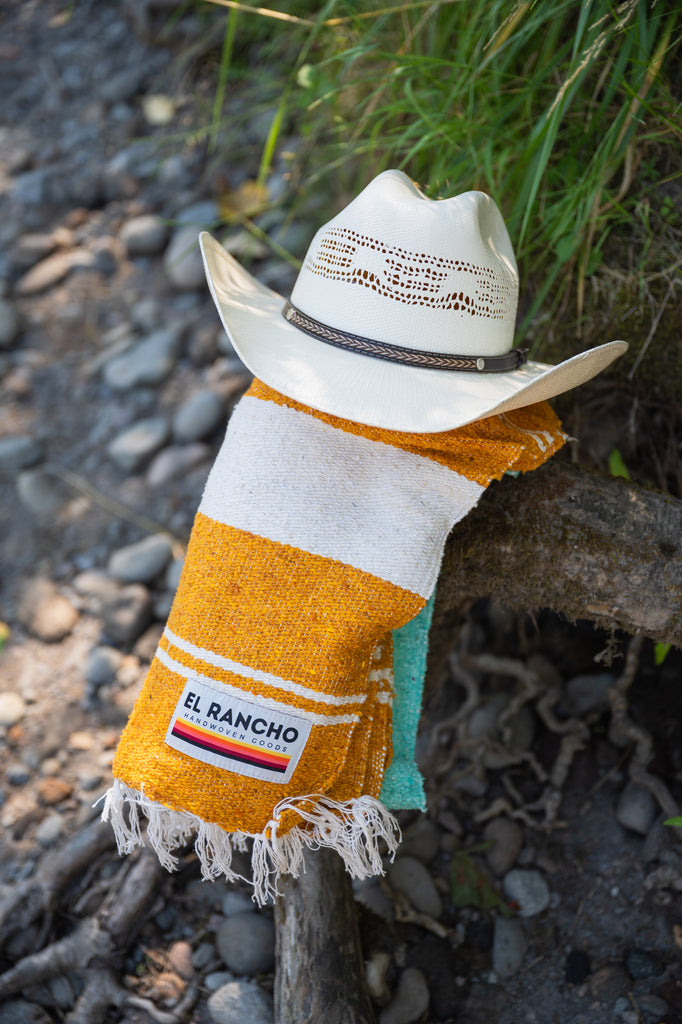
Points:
x=563 y=112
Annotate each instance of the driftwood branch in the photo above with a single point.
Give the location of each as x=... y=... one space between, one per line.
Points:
x=320 y=974
x=98 y=940
x=590 y=547
x=26 y=901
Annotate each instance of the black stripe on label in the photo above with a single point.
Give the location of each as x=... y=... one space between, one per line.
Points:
x=243 y=758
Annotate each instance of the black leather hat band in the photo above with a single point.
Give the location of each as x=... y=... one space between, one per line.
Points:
x=397 y=354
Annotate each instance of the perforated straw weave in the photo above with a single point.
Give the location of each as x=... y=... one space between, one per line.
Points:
x=266 y=713
x=414 y=278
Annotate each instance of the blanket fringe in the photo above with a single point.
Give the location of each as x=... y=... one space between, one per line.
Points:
x=353 y=828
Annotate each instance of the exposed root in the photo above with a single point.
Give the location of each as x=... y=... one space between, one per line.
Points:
x=502 y=806
x=449 y=725
x=530 y=684
x=623 y=731
x=99 y=939
x=71 y=953
x=27 y=900
x=536 y=685
x=405 y=913
x=101 y=991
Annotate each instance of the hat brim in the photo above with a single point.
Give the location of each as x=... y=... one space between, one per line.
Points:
x=366 y=390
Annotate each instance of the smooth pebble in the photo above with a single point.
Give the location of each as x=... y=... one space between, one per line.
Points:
x=50 y=829
x=144 y=235
x=202 y=214
x=17 y=773
x=636 y=809
x=410 y=1001
x=240 y=1002
x=235 y=902
x=12 y=708
x=609 y=982
x=174 y=461
x=142 y=561
x=121 y=85
x=246 y=943
x=40 y=492
x=216 y=979
x=376 y=971
x=182 y=259
x=101 y=665
x=421 y=841
x=509 y=946
x=483 y=720
x=506 y=837
x=18 y=452
x=44 y=612
x=528 y=889
x=586 y=693
x=148 y=362
x=410 y=877
x=126 y=612
x=198 y=416
x=45 y=274
x=131 y=449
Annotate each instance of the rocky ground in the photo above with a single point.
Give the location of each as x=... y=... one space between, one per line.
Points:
x=541 y=885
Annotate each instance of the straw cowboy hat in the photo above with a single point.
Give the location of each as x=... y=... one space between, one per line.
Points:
x=401 y=317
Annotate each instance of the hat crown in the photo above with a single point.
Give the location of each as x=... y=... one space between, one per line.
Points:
x=438 y=275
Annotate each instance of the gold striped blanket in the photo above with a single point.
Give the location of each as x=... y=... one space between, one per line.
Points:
x=266 y=710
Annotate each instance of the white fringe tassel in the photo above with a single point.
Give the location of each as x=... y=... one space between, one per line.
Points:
x=353 y=829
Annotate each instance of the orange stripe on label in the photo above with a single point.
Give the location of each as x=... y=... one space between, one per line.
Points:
x=222 y=744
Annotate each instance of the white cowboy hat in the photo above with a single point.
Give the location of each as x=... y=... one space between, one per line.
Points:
x=401 y=317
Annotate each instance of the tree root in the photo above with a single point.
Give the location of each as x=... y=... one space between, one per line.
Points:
x=624 y=731
x=536 y=684
x=27 y=900
x=97 y=944
x=101 y=991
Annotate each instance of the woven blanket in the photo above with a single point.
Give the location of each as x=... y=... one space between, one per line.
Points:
x=266 y=712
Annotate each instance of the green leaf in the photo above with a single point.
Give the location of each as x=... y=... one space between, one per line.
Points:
x=470 y=887
x=565 y=248
x=271 y=142
x=660 y=652
x=616 y=465
x=677 y=822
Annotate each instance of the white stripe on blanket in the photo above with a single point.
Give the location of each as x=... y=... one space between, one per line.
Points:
x=318 y=488
x=255 y=698
x=218 y=661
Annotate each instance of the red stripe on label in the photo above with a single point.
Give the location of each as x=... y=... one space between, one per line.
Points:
x=224 y=745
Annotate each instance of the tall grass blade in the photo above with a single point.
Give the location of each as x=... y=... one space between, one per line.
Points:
x=223 y=72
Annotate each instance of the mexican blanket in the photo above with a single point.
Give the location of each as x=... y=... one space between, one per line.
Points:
x=265 y=720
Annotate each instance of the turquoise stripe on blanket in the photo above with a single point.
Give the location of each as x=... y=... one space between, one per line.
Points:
x=403 y=786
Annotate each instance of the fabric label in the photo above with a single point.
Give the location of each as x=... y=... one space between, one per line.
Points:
x=229 y=732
